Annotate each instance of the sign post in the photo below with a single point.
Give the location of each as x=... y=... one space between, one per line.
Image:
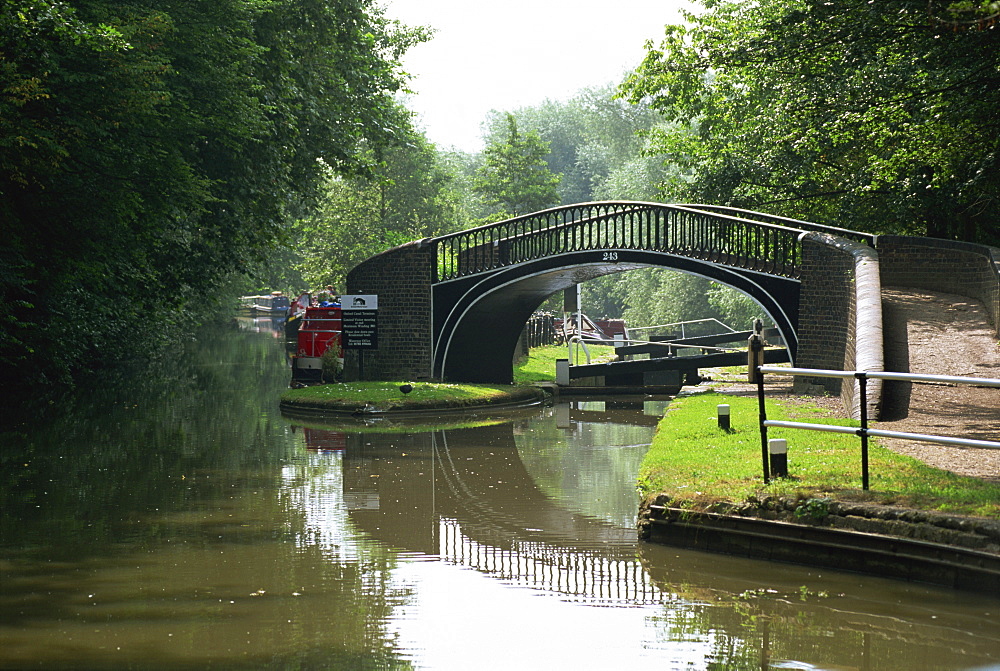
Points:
x=360 y=325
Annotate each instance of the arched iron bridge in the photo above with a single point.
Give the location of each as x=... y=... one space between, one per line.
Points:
x=486 y=281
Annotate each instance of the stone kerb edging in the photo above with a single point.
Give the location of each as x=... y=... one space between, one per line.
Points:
x=868 y=351
x=876 y=540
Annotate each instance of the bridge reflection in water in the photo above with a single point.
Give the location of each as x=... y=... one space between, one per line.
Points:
x=465 y=496
x=590 y=576
x=502 y=502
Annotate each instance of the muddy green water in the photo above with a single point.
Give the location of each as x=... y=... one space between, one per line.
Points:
x=175 y=520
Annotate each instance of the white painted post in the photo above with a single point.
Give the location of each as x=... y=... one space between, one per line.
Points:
x=722 y=413
x=778 y=450
x=562 y=372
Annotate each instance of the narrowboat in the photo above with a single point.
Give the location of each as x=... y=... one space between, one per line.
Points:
x=593 y=329
x=319 y=332
x=274 y=303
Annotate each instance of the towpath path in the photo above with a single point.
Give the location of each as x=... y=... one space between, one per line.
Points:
x=934 y=333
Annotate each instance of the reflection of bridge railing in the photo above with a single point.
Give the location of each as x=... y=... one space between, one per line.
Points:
x=750 y=241
x=594 y=576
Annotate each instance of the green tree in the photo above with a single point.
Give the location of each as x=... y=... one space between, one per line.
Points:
x=151 y=150
x=737 y=309
x=657 y=296
x=562 y=126
x=867 y=115
x=408 y=195
x=514 y=177
x=592 y=137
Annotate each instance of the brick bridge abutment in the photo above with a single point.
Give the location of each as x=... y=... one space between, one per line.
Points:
x=401 y=278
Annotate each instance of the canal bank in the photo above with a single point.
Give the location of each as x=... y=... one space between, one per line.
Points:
x=889 y=542
x=401 y=399
x=703 y=490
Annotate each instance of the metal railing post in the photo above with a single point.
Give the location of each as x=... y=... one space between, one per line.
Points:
x=863 y=388
x=763 y=426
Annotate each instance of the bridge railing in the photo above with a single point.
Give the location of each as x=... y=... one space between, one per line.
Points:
x=857 y=236
x=607 y=575
x=614 y=226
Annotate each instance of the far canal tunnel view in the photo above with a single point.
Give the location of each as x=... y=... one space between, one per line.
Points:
x=674 y=326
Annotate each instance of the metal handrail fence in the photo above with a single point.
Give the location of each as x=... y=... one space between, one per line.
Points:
x=541 y=330
x=864 y=431
x=613 y=226
x=672 y=345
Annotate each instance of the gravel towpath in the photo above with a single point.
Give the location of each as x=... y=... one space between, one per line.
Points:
x=934 y=333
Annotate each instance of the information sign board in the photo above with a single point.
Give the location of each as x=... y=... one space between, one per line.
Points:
x=360 y=321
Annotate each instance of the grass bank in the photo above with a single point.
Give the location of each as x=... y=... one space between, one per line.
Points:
x=697 y=464
x=375 y=397
x=540 y=365
x=378 y=397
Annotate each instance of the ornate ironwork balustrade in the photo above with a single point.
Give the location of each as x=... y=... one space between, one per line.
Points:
x=727 y=236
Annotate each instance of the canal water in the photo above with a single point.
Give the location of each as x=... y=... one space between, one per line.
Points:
x=176 y=520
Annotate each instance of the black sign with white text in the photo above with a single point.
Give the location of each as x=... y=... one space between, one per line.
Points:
x=360 y=329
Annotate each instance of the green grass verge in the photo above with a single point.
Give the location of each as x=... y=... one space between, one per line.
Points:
x=540 y=364
x=383 y=425
x=697 y=464
x=386 y=396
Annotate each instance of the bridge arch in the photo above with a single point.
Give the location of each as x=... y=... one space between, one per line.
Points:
x=478 y=320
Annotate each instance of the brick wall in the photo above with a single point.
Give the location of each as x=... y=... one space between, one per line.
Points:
x=951 y=267
x=401 y=278
x=840 y=316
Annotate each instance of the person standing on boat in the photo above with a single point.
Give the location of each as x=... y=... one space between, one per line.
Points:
x=328 y=298
x=331 y=299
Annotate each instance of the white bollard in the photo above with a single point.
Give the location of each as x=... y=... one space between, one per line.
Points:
x=778 y=450
x=722 y=413
x=562 y=372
